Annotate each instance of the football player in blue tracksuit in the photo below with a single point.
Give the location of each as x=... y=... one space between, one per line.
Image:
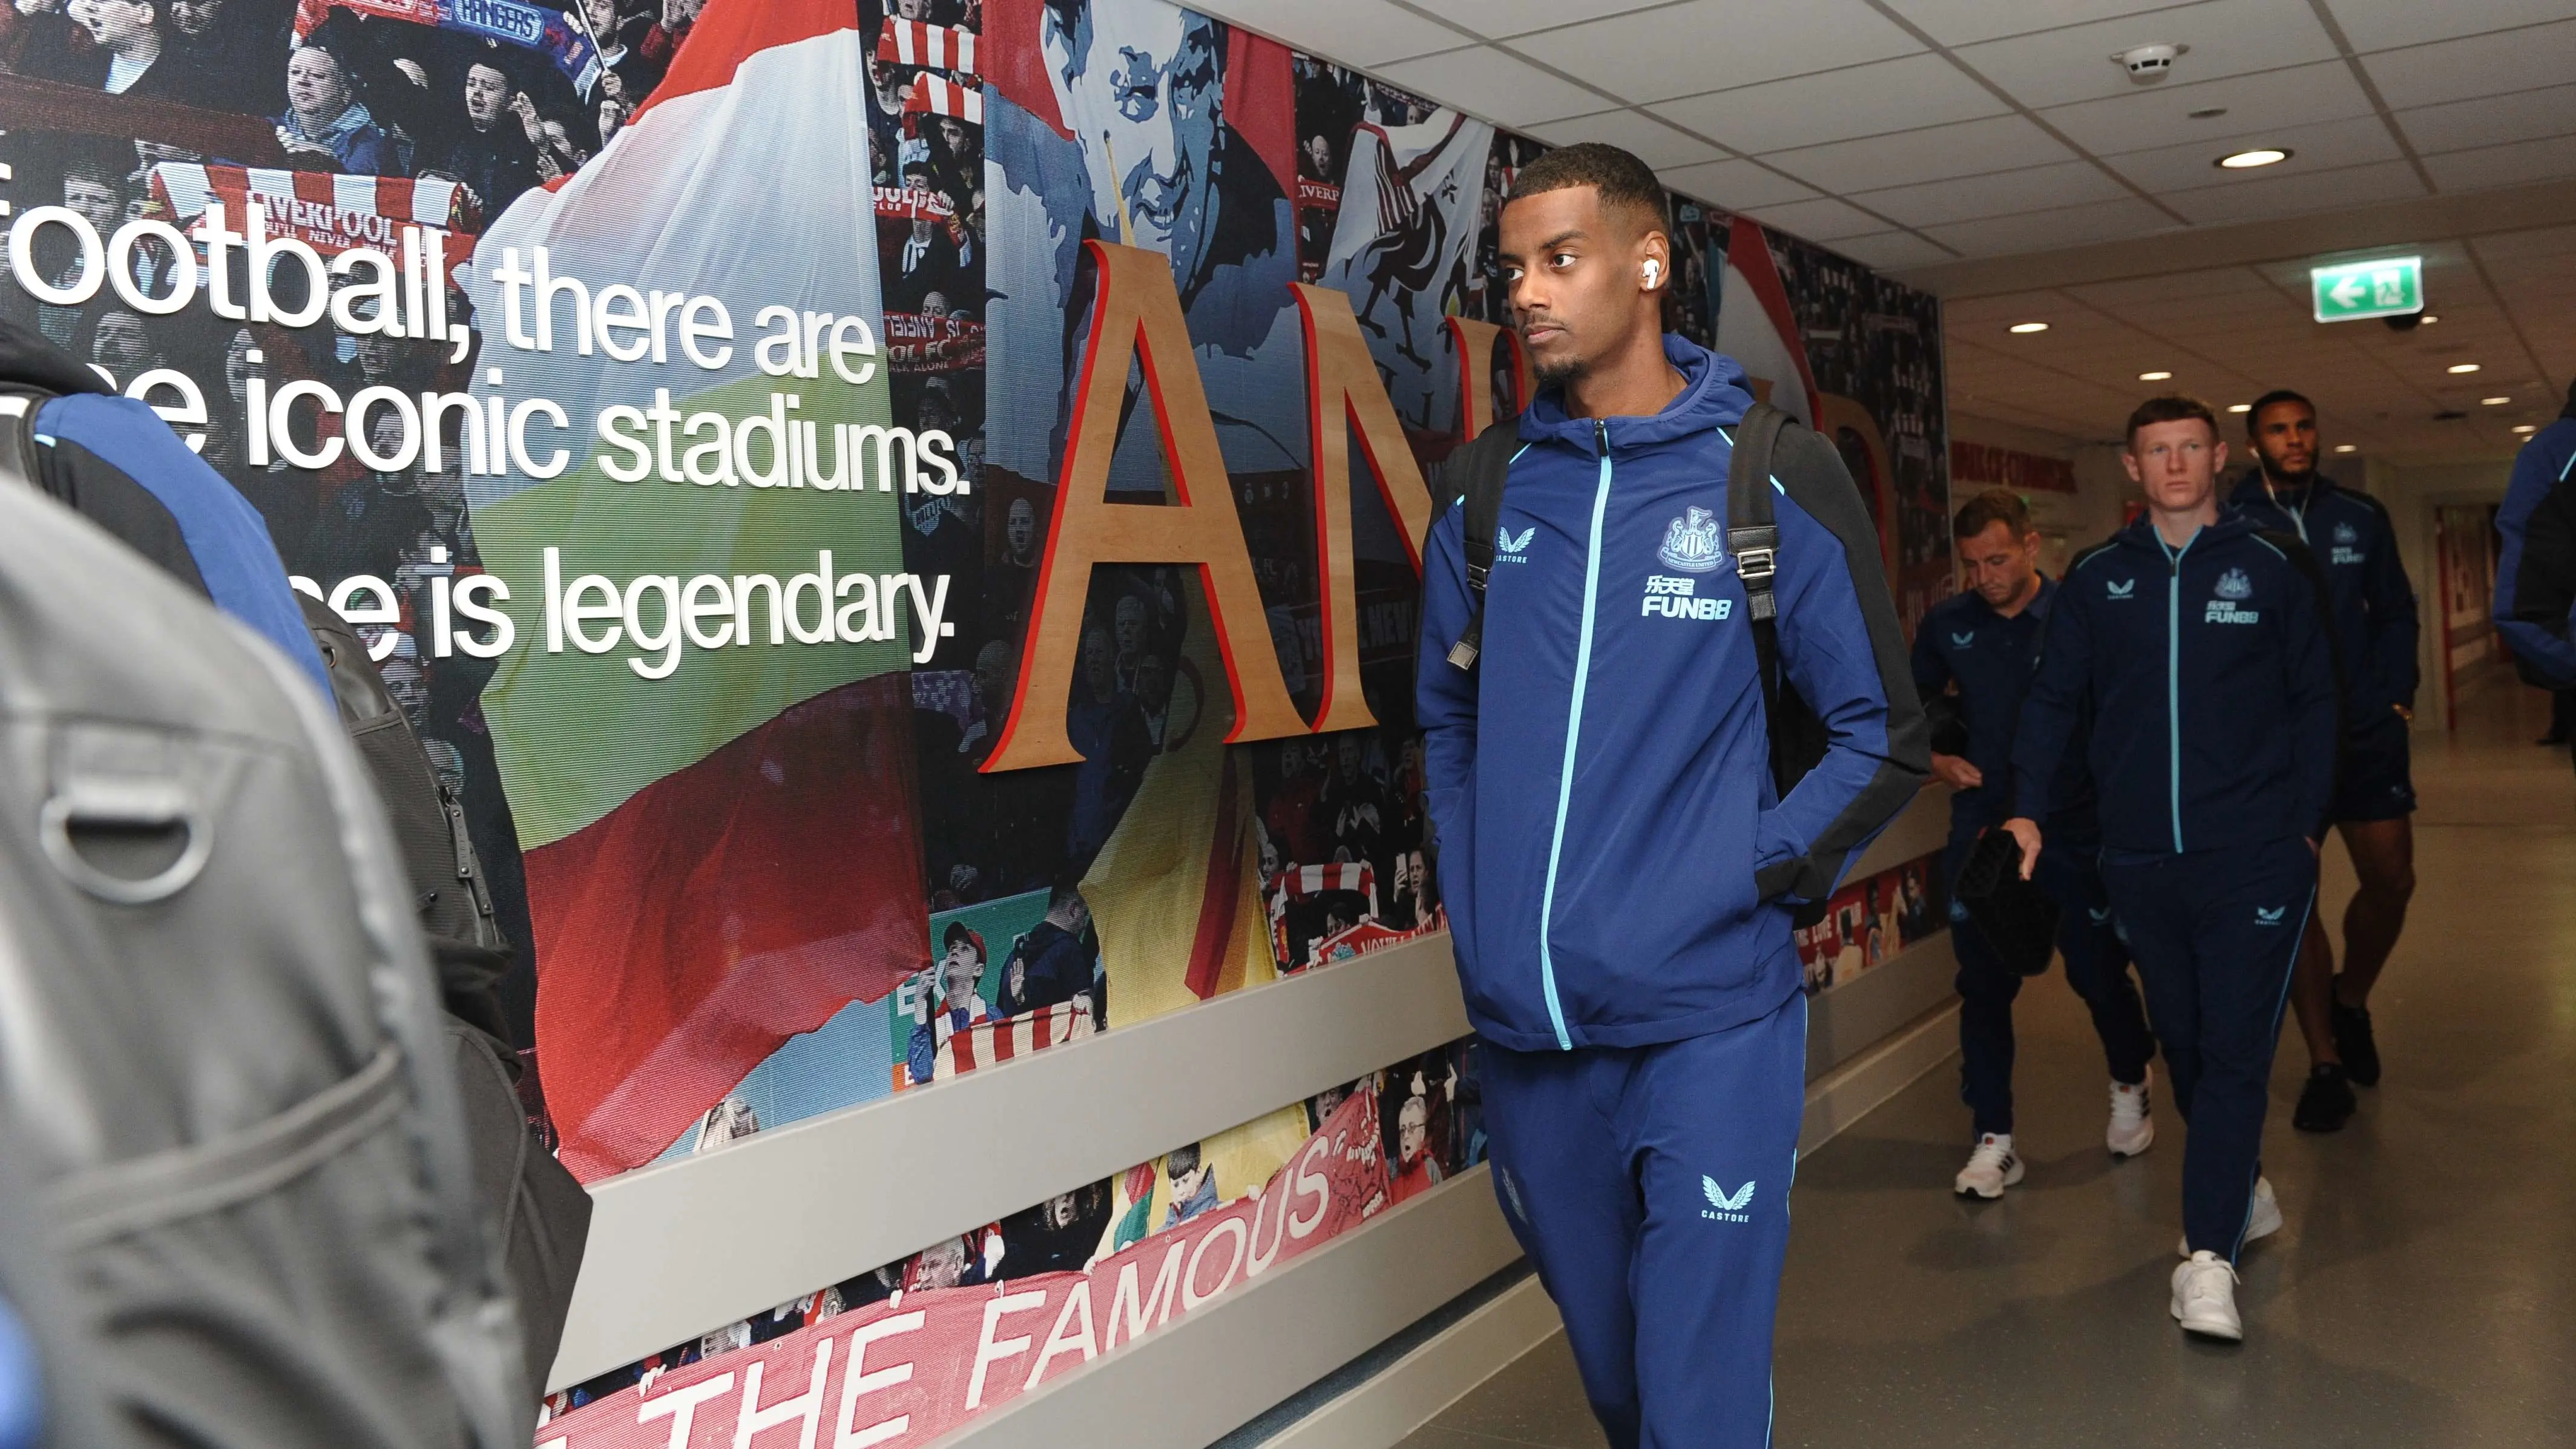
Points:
x=2535 y=594
x=1984 y=642
x=1617 y=862
x=2374 y=623
x=2196 y=647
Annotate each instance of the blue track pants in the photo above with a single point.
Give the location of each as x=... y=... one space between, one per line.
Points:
x=1650 y=1186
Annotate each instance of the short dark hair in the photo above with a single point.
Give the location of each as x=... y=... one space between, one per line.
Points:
x=2172 y=407
x=2278 y=395
x=1620 y=178
x=1993 y=506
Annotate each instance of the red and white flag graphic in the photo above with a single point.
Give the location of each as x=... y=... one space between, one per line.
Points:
x=939 y=47
x=937 y=95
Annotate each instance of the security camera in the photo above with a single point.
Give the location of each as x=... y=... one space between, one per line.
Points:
x=2149 y=64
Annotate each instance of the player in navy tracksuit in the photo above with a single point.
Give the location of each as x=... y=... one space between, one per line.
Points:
x=2374 y=624
x=2196 y=648
x=1617 y=865
x=1983 y=642
x=2535 y=595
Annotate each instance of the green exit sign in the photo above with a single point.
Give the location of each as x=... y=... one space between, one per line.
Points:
x=2351 y=291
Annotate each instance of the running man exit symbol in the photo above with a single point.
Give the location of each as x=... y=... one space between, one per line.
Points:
x=2351 y=291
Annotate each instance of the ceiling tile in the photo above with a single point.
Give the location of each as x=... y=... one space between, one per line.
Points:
x=2006 y=307
x=1964 y=22
x=2513 y=165
x=1861 y=100
x=1735 y=185
x=2227 y=37
x=2044 y=230
x=1486 y=82
x=2161 y=115
x=1650 y=140
x=1998 y=143
x=2150 y=292
x=2380 y=24
x=1821 y=220
x=2320 y=147
x=1495 y=19
x=2540 y=243
x=2478 y=65
x=1354 y=32
x=1706 y=45
x=2492 y=120
x=1890 y=250
x=2296 y=195
x=2001 y=193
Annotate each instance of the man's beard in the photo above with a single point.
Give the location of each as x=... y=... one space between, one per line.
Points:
x=2283 y=476
x=1557 y=374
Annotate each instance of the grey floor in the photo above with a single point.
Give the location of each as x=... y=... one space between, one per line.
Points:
x=2423 y=1293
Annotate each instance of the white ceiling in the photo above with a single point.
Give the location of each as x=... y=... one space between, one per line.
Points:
x=1917 y=133
x=1911 y=132
x=2228 y=334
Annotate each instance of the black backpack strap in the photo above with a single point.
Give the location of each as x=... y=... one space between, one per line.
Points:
x=1753 y=536
x=18 y=431
x=1475 y=474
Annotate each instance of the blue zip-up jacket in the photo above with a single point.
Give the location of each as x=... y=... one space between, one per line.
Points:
x=2210 y=676
x=1963 y=641
x=2535 y=595
x=2374 y=605
x=1615 y=858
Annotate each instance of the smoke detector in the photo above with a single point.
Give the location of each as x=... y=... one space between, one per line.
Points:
x=2148 y=64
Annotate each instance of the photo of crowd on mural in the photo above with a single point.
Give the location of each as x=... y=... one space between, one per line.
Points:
x=1406 y=1128
x=668 y=992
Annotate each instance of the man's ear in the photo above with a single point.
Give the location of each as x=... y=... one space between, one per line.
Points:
x=2218 y=456
x=2129 y=461
x=1655 y=260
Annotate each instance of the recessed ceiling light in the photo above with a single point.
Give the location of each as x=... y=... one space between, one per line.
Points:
x=2159 y=376
x=2206 y=113
x=2029 y=327
x=2524 y=428
x=2458 y=369
x=2248 y=160
x=2346 y=448
x=2427 y=320
x=2493 y=402
x=2240 y=407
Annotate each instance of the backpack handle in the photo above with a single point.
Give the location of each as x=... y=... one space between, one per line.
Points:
x=129 y=805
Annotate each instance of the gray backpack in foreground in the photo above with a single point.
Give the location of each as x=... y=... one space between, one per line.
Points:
x=221 y=1055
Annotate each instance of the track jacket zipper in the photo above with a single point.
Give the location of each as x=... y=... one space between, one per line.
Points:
x=2173 y=675
x=1573 y=737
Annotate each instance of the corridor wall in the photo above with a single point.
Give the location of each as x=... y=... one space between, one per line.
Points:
x=863 y=508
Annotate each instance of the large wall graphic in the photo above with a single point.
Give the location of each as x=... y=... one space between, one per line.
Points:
x=899 y=526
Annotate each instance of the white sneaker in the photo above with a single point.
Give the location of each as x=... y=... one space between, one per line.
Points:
x=1993 y=1167
x=2133 y=1125
x=2204 y=1298
x=2261 y=1222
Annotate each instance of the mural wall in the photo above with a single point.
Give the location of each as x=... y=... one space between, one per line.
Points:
x=821 y=479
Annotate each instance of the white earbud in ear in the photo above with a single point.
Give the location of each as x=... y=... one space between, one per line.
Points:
x=1654 y=273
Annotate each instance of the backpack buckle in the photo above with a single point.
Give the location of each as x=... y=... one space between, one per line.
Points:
x=1755 y=556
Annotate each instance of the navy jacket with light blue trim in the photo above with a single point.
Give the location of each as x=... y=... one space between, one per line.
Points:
x=2535 y=593
x=2227 y=639
x=2374 y=604
x=1963 y=641
x=1615 y=859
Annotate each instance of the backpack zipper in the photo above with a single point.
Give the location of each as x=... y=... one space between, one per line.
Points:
x=1573 y=736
